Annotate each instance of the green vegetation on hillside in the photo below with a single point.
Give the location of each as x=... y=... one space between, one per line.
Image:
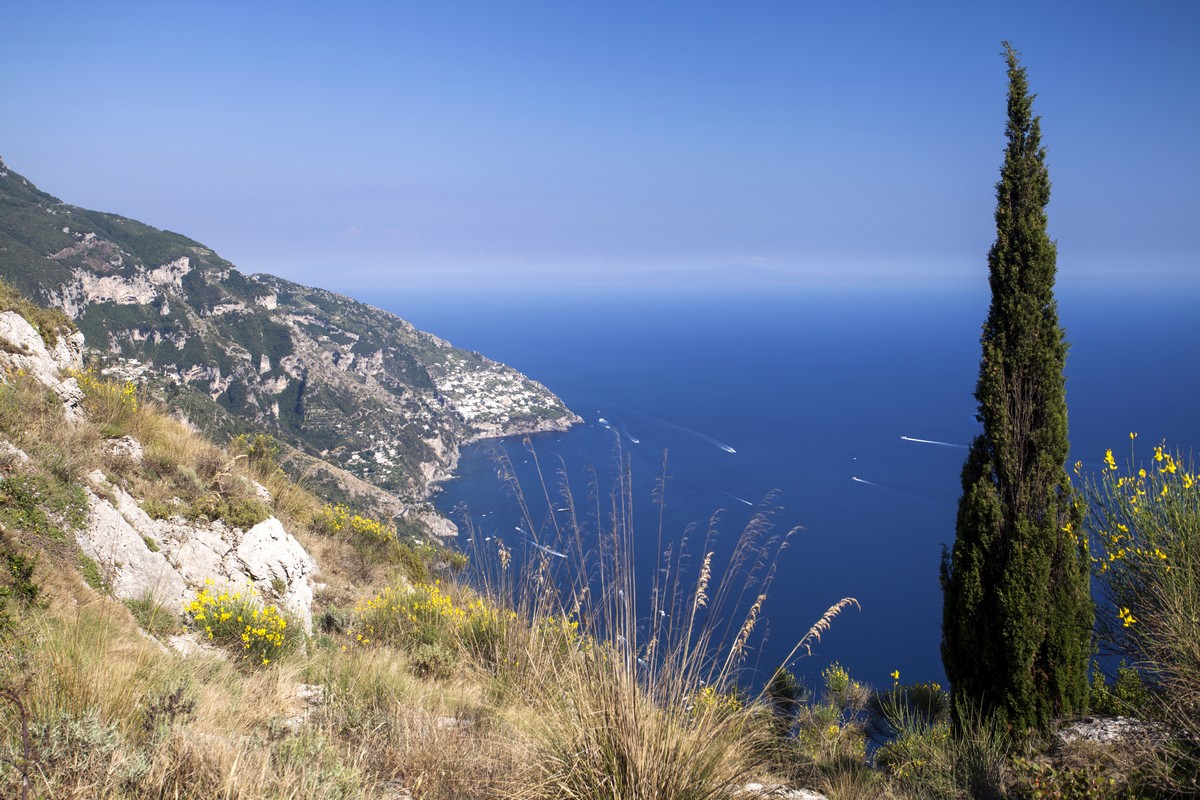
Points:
x=333 y=378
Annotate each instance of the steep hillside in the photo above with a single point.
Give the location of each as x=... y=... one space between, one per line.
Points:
x=342 y=381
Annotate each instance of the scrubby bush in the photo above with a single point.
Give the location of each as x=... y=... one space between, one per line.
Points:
x=339 y=518
x=239 y=621
x=1036 y=780
x=1144 y=523
x=109 y=404
x=829 y=739
x=1125 y=695
x=426 y=618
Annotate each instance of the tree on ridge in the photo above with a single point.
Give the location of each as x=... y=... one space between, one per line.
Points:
x=1017 y=611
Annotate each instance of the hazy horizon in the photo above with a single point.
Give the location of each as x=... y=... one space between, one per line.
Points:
x=560 y=145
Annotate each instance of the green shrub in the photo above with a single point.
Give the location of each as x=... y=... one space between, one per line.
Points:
x=920 y=759
x=261 y=451
x=333 y=620
x=236 y=512
x=416 y=569
x=784 y=693
x=1041 y=781
x=926 y=758
x=22 y=587
x=91 y=573
x=1125 y=695
x=922 y=703
x=41 y=504
x=112 y=405
x=830 y=739
x=432 y=661
x=157 y=509
x=110 y=431
x=426 y=614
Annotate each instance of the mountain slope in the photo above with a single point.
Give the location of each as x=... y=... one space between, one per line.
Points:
x=345 y=382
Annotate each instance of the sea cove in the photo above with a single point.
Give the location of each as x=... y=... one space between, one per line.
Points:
x=856 y=409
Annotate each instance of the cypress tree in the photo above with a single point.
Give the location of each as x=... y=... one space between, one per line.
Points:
x=1017 y=614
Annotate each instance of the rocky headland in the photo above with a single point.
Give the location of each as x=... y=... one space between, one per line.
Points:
x=372 y=410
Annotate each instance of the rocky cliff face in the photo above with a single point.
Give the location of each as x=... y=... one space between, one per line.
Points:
x=350 y=384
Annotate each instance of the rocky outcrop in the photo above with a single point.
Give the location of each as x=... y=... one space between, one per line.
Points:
x=170 y=560
x=24 y=352
x=1108 y=730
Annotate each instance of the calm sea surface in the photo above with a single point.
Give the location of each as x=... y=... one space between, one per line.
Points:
x=811 y=395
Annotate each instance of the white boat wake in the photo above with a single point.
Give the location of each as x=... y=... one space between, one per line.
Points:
x=546 y=550
x=902 y=490
x=932 y=441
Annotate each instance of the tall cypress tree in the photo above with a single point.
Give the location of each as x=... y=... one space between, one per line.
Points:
x=1017 y=614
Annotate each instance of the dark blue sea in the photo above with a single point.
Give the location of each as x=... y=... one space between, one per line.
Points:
x=856 y=408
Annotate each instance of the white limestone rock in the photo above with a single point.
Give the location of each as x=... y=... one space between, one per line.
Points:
x=438 y=525
x=1107 y=730
x=271 y=556
x=22 y=350
x=173 y=559
x=131 y=568
x=12 y=454
x=126 y=447
x=172 y=273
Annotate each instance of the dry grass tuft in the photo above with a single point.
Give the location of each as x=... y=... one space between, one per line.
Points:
x=630 y=698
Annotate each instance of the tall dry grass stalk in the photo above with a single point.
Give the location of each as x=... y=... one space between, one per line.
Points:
x=632 y=687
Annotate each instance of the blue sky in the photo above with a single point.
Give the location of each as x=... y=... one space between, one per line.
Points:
x=366 y=145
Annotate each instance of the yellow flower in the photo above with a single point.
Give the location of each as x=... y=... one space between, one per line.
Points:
x=1126 y=617
x=896 y=675
x=1109 y=461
